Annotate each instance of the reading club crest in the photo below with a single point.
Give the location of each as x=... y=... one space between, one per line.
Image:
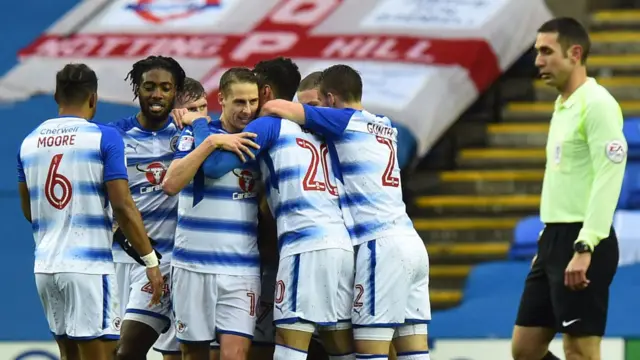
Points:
x=159 y=11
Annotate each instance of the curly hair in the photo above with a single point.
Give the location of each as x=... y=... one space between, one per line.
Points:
x=155 y=62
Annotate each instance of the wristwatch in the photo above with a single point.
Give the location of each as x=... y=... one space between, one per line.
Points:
x=581 y=247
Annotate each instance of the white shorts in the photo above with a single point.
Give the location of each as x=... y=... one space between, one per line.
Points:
x=392 y=283
x=136 y=294
x=314 y=287
x=205 y=305
x=80 y=306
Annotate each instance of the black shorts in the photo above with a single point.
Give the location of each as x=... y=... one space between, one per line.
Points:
x=547 y=302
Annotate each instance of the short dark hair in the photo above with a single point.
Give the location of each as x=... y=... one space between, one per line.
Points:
x=570 y=32
x=281 y=74
x=311 y=81
x=342 y=81
x=192 y=90
x=75 y=83
x=236 y=75
x=155 y=62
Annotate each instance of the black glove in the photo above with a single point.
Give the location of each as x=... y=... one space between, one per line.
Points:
x=118 y=236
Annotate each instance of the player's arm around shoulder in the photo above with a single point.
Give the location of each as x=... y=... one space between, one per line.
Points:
x=284 y=109
x=329 y=122
x=608 y=151
x=258 y=136
x=186 y=162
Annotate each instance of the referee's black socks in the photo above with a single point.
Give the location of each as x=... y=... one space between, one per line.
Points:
x=550 y=356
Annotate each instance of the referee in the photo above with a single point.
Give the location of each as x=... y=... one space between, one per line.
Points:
x=567 y=289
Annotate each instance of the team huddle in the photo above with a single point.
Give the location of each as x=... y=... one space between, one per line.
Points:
x=275 y=229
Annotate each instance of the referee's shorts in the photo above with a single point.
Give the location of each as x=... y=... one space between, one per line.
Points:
x=547 y=302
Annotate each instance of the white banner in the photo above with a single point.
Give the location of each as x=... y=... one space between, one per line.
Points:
x=41 y=351
x=423 y=61
x=611 y=348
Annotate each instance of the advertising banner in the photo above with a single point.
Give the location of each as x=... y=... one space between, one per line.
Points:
x=41 y=351
x=423 y=62
x=500 y=349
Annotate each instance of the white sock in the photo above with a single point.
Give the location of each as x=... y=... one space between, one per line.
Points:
x=343 y=357
x=414 y=355
x=371 y=357
x=286 y=353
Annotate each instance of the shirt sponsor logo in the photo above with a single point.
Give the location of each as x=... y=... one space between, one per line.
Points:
x=247 y=183
x=185 y=144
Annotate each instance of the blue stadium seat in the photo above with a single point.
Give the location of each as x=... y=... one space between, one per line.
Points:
x=490 y=317
x=525 y=238
x=631 y=130
x=630 y=193
x=495 y=278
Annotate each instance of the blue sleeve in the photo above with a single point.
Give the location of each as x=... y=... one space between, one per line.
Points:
x=21 y=176
x=185 y=143
x=327 y=121
x=112 y=152
x=200 y=131
x=221 y=162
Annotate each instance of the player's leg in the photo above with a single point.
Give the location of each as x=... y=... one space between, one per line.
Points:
x=236 y=310
x=316 y=350
x=194 y=313
x=167 y=343
x=380 y=296
x=337 y=338
x=392 y=353
x=264 y=336
x=52 y=300
x=535 y=323
x=91 y=313
x=142 y=324
x=68 y=348
x=410 y=339
x=582 y=315
x=292 y=333
x=214 y=351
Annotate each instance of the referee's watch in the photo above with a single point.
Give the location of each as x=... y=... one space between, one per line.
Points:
x=581 y=247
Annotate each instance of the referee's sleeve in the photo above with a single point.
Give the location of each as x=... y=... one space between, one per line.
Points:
x=608 y=150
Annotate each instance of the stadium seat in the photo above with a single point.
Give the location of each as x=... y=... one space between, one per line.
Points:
x=494 y=279
x=525 y=238
x=626 y=224
x=630 y=193
x=623 y=315
x=491 y=317
x=631 y=130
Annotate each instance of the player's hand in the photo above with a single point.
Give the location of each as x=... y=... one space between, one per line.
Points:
x=575 y=276
x=157 y=284
x=239 y=144
x=184 y=117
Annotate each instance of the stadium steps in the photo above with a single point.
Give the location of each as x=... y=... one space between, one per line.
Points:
x=473 y=205
x=467 y=215
x=447 y=280
x=616 y=20
x=455 y=229
x=518 y=135
x=501 y=158
x=542 y=110
x=489 y=182
x=623 y=88
x=619 y=42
